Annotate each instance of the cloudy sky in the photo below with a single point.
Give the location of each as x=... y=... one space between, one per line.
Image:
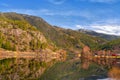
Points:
x=100 y=15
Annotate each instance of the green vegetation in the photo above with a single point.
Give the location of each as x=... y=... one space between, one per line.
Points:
x=5 y=64
x=35 y=64
x=6 y=44
x=110 y=45
x=1 y=39
x=21 y=69
x=71 y=70
x=15 y=33
x=62 y=38
x=9 y=23
x=37 y=45
x=26 y=33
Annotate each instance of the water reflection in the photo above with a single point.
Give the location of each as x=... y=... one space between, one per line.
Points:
x=105 y=60
x=114 y=73
x=113 y=66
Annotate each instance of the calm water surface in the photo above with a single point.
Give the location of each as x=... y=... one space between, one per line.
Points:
x=111 y=63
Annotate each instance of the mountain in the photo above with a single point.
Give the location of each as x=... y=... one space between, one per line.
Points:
x=20 y=35
x=62 y=38
x=25 y=52
x=51 y=48
x=113 y=45
x=105 y=36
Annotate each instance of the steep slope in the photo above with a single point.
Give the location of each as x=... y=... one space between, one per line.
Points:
x=52 y=33
x=62 y=38
x=105 y=36
x=16 y=34
x=24 y=51
x=65 y=38
x=31 y=33
x=20 y=35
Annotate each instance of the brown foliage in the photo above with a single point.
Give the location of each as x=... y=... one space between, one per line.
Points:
x=114 y=73
x=85 y=65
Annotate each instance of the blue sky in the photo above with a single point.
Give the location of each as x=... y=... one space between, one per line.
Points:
x=100 y=15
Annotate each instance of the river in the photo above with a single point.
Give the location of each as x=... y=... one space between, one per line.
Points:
x=113 y=72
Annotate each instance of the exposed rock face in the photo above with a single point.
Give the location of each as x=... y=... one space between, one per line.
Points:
x=21 y=35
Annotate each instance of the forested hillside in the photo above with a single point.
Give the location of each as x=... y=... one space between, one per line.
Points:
x=62 y=38
x=15 y=34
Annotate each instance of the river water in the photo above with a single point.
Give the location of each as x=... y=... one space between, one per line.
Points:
x=113 y=72
x=106 y=79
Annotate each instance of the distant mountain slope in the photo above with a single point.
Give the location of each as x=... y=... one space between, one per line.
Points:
x=63 y=37
x=112 y=45
x=93 y=33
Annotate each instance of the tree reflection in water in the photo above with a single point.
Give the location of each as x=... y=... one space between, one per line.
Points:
x=112 y=64
x=114 y=73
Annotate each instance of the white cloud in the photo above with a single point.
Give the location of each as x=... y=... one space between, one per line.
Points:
x=107 y=29
x=79 y=26
x=57 y=2
x=108 y=26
